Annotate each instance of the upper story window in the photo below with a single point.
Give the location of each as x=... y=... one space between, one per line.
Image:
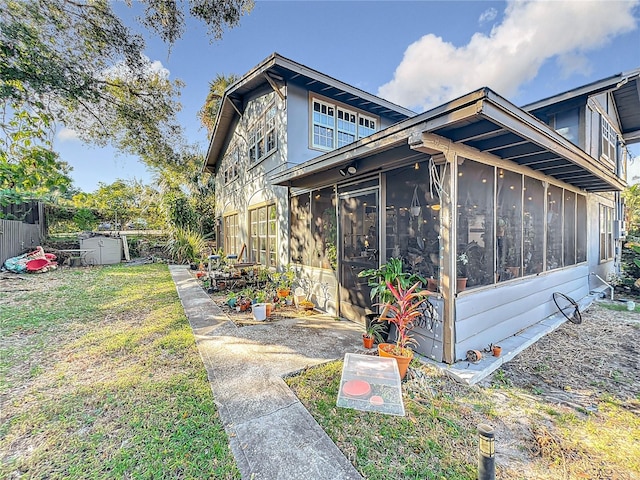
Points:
x=609 y=141
x=334 y=126
x=367 y=126
x=262 y=138
x=231 y=170
x=567 y=124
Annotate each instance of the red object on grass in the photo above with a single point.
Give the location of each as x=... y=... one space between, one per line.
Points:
x=50 y=256
x=37 y=264
x=356 y=388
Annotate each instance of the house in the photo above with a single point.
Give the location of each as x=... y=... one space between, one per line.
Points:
x=499 y=206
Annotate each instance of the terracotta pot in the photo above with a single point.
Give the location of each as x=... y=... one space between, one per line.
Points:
x=269 y=309
x=497 y=350
x=384 y=350
x=461 y=284
x=283 y=292
x=367 y=341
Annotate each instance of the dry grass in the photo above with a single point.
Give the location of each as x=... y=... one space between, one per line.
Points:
x=567 y=408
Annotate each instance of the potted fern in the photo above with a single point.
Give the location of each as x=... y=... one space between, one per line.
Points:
x=401 y=311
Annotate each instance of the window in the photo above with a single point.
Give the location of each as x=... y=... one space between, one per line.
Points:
x=606 y=233
x=366 y=126
x=313 y=238
x=609 y=141
x=323 y=125
x=324 y=229
x=476 y=193
x=509 y=225
x=262 y=137
x=346 y=127
x=334 y=126
x=533 y=226
x=262 y=228
x=581 y=229
x=230 y=172
x=567 y=124
x=554 y=227
x=538 y=226
x=300 y=239
x=231 y=240
x=569 y=249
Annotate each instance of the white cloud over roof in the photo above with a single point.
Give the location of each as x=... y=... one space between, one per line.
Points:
x=434 y=71
x=67 y=134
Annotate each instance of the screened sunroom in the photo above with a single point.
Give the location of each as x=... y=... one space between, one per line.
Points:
x=494 y=208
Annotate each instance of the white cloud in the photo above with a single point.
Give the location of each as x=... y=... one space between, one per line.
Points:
x=67 y=134
x=489 y=15
x=434 y=71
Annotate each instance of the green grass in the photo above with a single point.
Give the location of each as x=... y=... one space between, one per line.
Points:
x=102 y=379
x=429 y=442
x=437 y=439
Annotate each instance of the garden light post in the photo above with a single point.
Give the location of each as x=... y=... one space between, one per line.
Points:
x=486 y=452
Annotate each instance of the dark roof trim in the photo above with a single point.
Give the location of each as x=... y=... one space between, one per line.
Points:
x=478 y=116
x=269 y=71
x=594 y=88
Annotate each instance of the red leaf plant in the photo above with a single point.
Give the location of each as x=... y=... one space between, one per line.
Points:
x=402 y=312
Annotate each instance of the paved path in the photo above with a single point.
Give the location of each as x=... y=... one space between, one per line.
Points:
x=272 y=435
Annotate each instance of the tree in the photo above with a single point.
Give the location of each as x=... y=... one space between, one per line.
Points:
x=76 y=62
x=631 y=196
x=209 y=110
x=28 y=166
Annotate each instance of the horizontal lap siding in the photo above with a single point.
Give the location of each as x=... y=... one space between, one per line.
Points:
x=492 y=315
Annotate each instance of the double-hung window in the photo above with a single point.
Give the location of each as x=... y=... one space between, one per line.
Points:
x=262 y=225
x=230 y=226
x=262 y=136
x=346 y=127
x=323 y=125
x=609 y=141
x=231 y=171
x=366 y=126
x=334 y=126
x=606 y=233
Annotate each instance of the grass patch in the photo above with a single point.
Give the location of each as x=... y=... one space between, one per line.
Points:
x=536 y=438
x=429 y=442
x=102 y=379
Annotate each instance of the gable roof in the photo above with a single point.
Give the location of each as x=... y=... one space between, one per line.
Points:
x=481 y=120
x=626 y=94
x=276 y=71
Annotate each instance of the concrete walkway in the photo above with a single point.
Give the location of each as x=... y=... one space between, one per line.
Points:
x=272 y=435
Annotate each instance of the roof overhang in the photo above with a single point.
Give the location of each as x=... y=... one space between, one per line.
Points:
x=481 y=121
x=277 y=71
x=625 y=88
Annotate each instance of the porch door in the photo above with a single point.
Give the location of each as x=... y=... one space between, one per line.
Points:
x=360 y=247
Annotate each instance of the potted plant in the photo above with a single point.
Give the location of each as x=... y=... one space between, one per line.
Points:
x=461 y=272
x=232 y=299
x=284 y=281
x=373 y=333
x=390 y=273
x=402 y=312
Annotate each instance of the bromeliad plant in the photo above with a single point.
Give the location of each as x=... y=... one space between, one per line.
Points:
x=402 y=311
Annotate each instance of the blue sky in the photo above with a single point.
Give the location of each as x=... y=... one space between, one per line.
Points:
x=418 y=54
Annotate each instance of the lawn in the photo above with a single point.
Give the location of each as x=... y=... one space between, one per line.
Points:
x=100 y=378
x=566 y=408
